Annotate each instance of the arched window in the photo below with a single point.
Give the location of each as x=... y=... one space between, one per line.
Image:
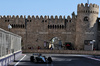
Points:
x=14 y=26
x=19 y=26
x=48 y=26
x=62 y=26
x=42 y=20
x=45 y=20
x=58 y=26
x=30 y=20
x=70 y=20
x=8 y=20
x=66 y=20
x=86 y=11
x=86 y=18
x=23 y=26
x=27 y=20
x=55 y=26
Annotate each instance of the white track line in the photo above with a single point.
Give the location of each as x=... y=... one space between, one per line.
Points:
x=19 y=60
x=93 y=58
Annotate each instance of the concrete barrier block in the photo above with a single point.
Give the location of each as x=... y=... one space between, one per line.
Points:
x=64 y=52
x=6 y=60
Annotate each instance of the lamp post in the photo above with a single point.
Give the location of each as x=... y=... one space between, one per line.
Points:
x=13 y=54
x=26 y=31
x=88 y=2
x=9 y=27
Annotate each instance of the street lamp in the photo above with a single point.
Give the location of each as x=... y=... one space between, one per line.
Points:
x=9 y=27
x=26 y=31
x=93 y=40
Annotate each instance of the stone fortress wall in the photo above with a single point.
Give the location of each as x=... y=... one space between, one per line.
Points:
x=86 y=24
x=70 y=29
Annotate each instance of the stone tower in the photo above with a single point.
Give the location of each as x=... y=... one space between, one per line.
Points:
x=86 y=25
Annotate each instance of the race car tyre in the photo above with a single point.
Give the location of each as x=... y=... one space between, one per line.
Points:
x=49 y=59
x=32 y=58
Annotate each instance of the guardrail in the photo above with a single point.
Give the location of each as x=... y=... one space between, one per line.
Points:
x=63 y=52
x=4 y=61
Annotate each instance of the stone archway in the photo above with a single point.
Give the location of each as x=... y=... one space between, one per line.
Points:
x=56 y=43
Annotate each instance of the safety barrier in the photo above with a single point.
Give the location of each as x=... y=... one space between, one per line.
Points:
x=10 y=47
x=4 y=61
x=63 y=52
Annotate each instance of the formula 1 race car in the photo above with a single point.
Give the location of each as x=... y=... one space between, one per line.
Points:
x=38 y=58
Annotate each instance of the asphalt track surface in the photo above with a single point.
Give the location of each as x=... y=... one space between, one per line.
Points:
x=58 y=60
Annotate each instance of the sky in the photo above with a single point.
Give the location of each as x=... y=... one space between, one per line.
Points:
x=41 y=7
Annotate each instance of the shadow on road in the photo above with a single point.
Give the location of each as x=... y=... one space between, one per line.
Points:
x=22 y=61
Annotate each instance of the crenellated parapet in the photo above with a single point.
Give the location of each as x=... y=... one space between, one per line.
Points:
x=69 y=19
x=45 y=17
x=29 y=17
x=33 y=17
x=41 y=17
x=37 y=17
x=21 y=16
x=60 y=17
x=17 y=16
x=88 y=8
x=13 y=16
x=56 y=17
x=88 y=5
x=8 y=16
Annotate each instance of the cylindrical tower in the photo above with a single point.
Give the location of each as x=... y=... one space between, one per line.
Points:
x=86 y=25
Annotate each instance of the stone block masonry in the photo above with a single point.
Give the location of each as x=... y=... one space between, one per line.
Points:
x=75 y=29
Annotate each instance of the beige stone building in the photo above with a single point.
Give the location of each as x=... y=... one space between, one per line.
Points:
x=78 y=29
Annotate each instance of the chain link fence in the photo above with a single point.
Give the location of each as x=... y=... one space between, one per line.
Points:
x=9 y=42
